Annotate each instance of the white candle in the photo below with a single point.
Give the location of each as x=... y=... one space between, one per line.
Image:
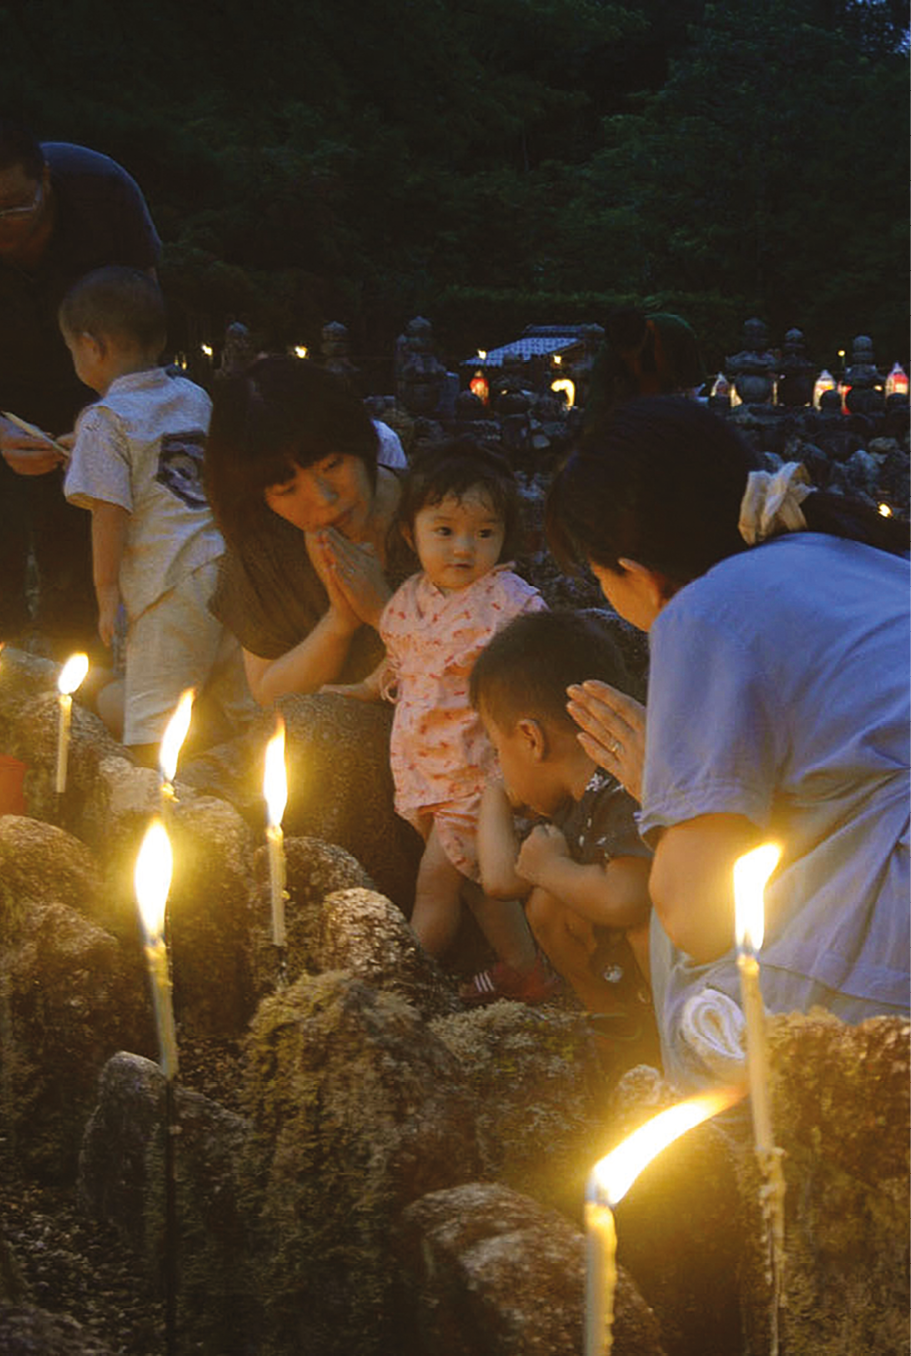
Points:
x=71 y=675
x=275 y=791
x=152 y=881
x=609 y=1181
x=171 y=744
x=751 y=872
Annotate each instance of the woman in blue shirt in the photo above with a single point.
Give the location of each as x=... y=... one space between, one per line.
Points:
x=777 y=708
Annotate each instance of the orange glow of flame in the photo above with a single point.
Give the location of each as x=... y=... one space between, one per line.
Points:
x=751 y=871
x=152 y=878
x=275 y=777
x=72 y=673
x=567 y=387
x=175 y=734
x=616 y=1172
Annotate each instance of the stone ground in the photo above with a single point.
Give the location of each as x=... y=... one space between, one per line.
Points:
x=69 y=1264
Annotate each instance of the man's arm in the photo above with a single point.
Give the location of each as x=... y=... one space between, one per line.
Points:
x=24 y=454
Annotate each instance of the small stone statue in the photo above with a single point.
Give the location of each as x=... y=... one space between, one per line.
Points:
x=334 y=348
x=864 y=378
x=420 y=376
x=238 y=351
x=796 y=373
x=752 y=370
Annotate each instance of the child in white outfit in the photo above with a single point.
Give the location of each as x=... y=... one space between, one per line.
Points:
x=459 y=512
x=136 y=465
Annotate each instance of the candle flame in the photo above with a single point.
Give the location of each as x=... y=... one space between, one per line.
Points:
x=175 y=734
x=275 y=779
x=885 y=511
x=72 y=673
x=152 y=878
x=751 y=871
x=616 y=1172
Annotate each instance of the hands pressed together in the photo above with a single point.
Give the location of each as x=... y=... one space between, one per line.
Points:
x=352 y=574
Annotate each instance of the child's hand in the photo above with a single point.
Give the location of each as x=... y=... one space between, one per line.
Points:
x=362 y=692
x=108 y=602
x=542 y=846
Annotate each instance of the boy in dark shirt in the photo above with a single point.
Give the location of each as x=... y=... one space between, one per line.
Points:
x=583 y=873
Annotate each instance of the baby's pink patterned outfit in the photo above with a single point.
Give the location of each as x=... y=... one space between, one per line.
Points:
x=440 y=755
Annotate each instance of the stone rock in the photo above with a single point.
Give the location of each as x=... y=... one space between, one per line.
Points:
x=33 y=738
x=357 y=1110
x=339 y=784
x=364 y=933
x=211 y=917
x=42 y=864
x=28 y=1331
x=488 y=1270
x=840 y=1097
x=13 y=1286
x=23 y=676
x=121 y=1181
x=69 y=996
x=313 y=870
x=538 y=1088
x=680 y=1226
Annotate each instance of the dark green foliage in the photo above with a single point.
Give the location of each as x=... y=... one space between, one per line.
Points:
x=366 y=163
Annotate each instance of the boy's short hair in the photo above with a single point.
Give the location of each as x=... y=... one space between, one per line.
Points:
x=117 y=303
x=525 y=670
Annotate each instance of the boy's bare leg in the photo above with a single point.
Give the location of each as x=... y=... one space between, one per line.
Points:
x=109 y=705
x=568 y=940
x=503 y=924
x=437 y=903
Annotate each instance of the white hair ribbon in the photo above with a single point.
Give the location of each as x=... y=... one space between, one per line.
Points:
x=771 y=502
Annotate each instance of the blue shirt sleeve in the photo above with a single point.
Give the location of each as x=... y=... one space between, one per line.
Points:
x=712 y=740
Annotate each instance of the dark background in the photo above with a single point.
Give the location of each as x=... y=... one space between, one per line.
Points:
x=496 y=164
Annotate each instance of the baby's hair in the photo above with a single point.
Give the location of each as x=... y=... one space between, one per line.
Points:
x=455 y=467
x=525 y=670
x=123 y=305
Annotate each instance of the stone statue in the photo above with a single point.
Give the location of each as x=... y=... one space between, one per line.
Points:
x=238 y=352
x=752 y=370
x=420 y=377
x=796 y=373
x=334 y=348
x=864 y=378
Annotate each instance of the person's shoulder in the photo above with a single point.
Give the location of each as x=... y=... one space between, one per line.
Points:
x=66 y=159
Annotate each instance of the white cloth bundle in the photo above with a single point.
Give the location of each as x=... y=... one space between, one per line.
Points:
x=713 y=1027
x=771 y=503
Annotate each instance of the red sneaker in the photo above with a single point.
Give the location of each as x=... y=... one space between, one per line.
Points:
x=502 y=981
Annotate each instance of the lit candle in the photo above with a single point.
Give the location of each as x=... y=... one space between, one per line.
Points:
x=171 y=744
x=608 y=1183
x=71 y=675
x=750 y=875
x=275 y=790
x=152 y=881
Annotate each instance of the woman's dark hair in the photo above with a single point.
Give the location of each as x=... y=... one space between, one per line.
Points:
x=280 y=413
x=455 y=467
x=660 y=481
